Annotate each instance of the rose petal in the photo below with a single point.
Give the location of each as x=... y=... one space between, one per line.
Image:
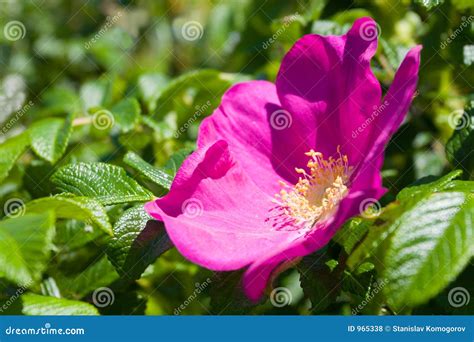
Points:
x=328 y=80
x=215 y=214
x=262 y=136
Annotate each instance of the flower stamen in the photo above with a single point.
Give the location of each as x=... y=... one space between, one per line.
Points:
x=318 y=192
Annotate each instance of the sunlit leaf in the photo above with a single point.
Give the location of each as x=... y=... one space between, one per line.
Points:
x=108 y=184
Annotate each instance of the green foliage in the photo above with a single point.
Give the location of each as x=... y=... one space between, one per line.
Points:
x=430 y=246
x=156 y=175
x=99 y=274
x=49 y=137
x=71 y=207
x=461 y=144
x=127 y=114
x=429 y=4
x=192 y=96
x=108 y=184
x=137 y=242
x=227 y=295
x=26 y=243
x=422 y=242
x=10 y=151
x=351 y=233
x=36 y=305
x=320 y=278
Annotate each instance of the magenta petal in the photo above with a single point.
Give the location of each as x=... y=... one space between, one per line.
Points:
x=259 y=133
x=396 y=104
x=329 y=80
x=397 y=100
x=257 y=275
x=215 y=215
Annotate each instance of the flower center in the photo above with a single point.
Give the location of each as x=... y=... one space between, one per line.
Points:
x=318 y=192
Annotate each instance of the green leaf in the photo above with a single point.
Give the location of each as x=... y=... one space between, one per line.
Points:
x=408 y=198
x=72 y=234
x=79 y=208
x=227 y=294
x=127 y=114
x=435 y=185
x=461 y=144
x=429 y=4
x=176 y=160
x=154 y=174
x=36 y=305
x=351 y=233
x=320 y=282
x=10 y=151
x=150 y=87
x=49 y=137
x=59 y=100
x=194 y=94
x=430 y=246
x=459 y=185
x=98 y=274
x=96 y=93
x=138 y=240
x=108 y=184
x=25 y=245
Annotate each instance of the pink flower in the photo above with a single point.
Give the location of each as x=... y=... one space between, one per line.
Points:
x=280 y=167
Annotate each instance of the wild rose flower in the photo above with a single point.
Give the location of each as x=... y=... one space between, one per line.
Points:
x=280 y=167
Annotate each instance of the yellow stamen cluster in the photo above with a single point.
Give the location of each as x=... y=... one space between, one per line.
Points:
x=318 y=192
